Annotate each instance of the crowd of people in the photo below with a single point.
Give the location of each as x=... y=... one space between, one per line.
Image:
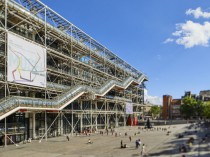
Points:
x=113 y=132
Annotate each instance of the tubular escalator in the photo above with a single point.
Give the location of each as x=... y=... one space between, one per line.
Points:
x=11 y=104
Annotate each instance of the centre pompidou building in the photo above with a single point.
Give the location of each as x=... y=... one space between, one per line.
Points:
x=55 y=79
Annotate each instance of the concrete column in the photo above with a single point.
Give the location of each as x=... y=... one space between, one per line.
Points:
x=105 y=126
x=107 y=121
x=116 y=121
x=5 y=132
x=34 y=125
x=116 y=118
x=45 y=125
x=91 y=117
x=96 y=117
x=124 y=119
x=81 y=122
x=72 y=121
x=61 y=127
x=81 y=118
x=107 y=115
x=31 y=125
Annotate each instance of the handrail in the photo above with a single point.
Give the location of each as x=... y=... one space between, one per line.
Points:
x=64 y=99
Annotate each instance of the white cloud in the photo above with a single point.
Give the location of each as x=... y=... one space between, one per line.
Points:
x=168 y=40
x=155 y=100
x=177 y=33
x=197 y=13
x=192 y=34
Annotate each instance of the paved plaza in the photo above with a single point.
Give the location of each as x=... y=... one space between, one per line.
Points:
x=157 y=143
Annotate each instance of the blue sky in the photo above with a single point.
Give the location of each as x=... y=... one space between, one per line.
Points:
x=165 y=39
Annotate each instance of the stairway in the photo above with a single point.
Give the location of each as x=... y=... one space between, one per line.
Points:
x=12 y=104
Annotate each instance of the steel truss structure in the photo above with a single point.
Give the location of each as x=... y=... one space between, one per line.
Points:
x=87 y=85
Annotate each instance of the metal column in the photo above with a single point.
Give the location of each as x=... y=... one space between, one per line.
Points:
x=34 y=125
x=105 y=126
x=116 y=118
x=72 y=120
x=5 y=85
x=81 y=118
x=5 y=132
x=96 y=117
x=46 y=126
x=91 y=116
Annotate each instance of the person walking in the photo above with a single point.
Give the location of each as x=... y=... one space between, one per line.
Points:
x=143 y=149
x=67 y=137
x=121 y=143
x=130 y=138
x=138 y=143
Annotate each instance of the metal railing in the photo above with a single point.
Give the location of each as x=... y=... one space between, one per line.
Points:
x=11 y=102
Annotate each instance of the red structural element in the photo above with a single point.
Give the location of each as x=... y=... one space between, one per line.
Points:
x=132 y=121
x=51 y=111
x=135 y=121
x=22 y=110
x=129 y=121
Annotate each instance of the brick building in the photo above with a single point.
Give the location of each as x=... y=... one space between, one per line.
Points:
x=166 y=114
x=171 y=107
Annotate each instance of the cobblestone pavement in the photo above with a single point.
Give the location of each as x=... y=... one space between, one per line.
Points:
x=158 y=143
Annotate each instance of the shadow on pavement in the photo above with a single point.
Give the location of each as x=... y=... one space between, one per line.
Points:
x=199 y=132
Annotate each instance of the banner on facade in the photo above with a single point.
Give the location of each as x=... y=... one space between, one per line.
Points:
x=129 y=108
x=26 y=62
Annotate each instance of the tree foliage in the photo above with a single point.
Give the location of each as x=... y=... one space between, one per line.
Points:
x=199 y=107
x=155 y=110
x=188 y=109
x=193 y=108
x=206 y=109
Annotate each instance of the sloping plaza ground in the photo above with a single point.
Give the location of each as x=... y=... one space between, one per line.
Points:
x=158 y=143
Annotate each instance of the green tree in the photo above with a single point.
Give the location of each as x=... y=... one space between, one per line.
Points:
x=206 y=109
x=188 y=109
x=199 y=107
x=155 y=111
